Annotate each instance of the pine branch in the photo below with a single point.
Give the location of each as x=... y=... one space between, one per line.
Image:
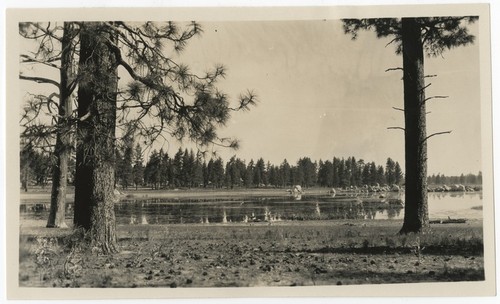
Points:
x=119 y=59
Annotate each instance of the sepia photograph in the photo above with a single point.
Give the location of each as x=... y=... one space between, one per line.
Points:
x=287 y=150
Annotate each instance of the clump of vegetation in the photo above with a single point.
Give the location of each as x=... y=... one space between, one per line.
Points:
x=57 y=259
x=46 y=253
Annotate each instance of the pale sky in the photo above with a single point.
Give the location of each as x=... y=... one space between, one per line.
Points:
x=323 y=95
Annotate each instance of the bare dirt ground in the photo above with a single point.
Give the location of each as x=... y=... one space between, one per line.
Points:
x=259 y=254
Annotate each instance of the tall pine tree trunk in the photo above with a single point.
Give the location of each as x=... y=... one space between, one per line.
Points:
x=95 y=158
x=416 y=210
x=63 y=140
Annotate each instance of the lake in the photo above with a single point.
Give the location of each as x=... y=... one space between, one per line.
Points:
x=274 y=208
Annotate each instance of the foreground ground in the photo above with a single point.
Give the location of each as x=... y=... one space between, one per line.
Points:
x=260 y=254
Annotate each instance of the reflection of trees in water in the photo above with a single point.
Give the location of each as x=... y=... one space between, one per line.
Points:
x=393 y=212
x=371 y=214
x=161 y=212
x=457 y=194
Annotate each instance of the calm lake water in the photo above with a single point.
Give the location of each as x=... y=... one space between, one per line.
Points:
x=276 y=208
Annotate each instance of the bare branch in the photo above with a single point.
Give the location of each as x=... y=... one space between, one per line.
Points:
x=39 y=80
x=434 y=97
x=396 y=128
x=393 y=40
x=48 y=62
x=438 y=133
x=430 y=76
x=47 y=31
x=394 y=69
x=426 y=86
x=399 y=109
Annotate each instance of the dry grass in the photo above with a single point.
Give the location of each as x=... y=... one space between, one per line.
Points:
x=284 y=254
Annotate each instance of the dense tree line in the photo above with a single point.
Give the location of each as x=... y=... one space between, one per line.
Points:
x=469 y=179
x=189 y=170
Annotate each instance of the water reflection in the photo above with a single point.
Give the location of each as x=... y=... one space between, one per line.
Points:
x=256 y=210
x=273 y=209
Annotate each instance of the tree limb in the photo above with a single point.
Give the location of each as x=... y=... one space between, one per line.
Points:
x=438 y=133
x=48 y=62
x=146 y=81
x=394 y=69
x=396 y=128
x=433 y=97
x=426 y=86
x=399 y=109
x=47 y=30
x=39 y=80
x=84 y=117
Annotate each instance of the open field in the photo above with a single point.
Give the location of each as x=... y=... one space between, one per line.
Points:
x=258 y=254
x=44 y=194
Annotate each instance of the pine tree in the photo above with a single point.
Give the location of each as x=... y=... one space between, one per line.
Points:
x=177 y=169
x=138 y=170
x=164 y=163
x=55 y=50
x=390 y=171
x=285 y=173
x=249 y=174
x=174 y=100
x=414 y=37
x=95 y=151
x=259 y=173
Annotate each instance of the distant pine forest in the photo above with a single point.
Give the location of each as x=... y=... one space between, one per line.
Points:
x=187 y=169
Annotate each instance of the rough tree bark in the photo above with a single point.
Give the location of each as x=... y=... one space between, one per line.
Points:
x=95 y=156
x=62 y=151
x=416 y=209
